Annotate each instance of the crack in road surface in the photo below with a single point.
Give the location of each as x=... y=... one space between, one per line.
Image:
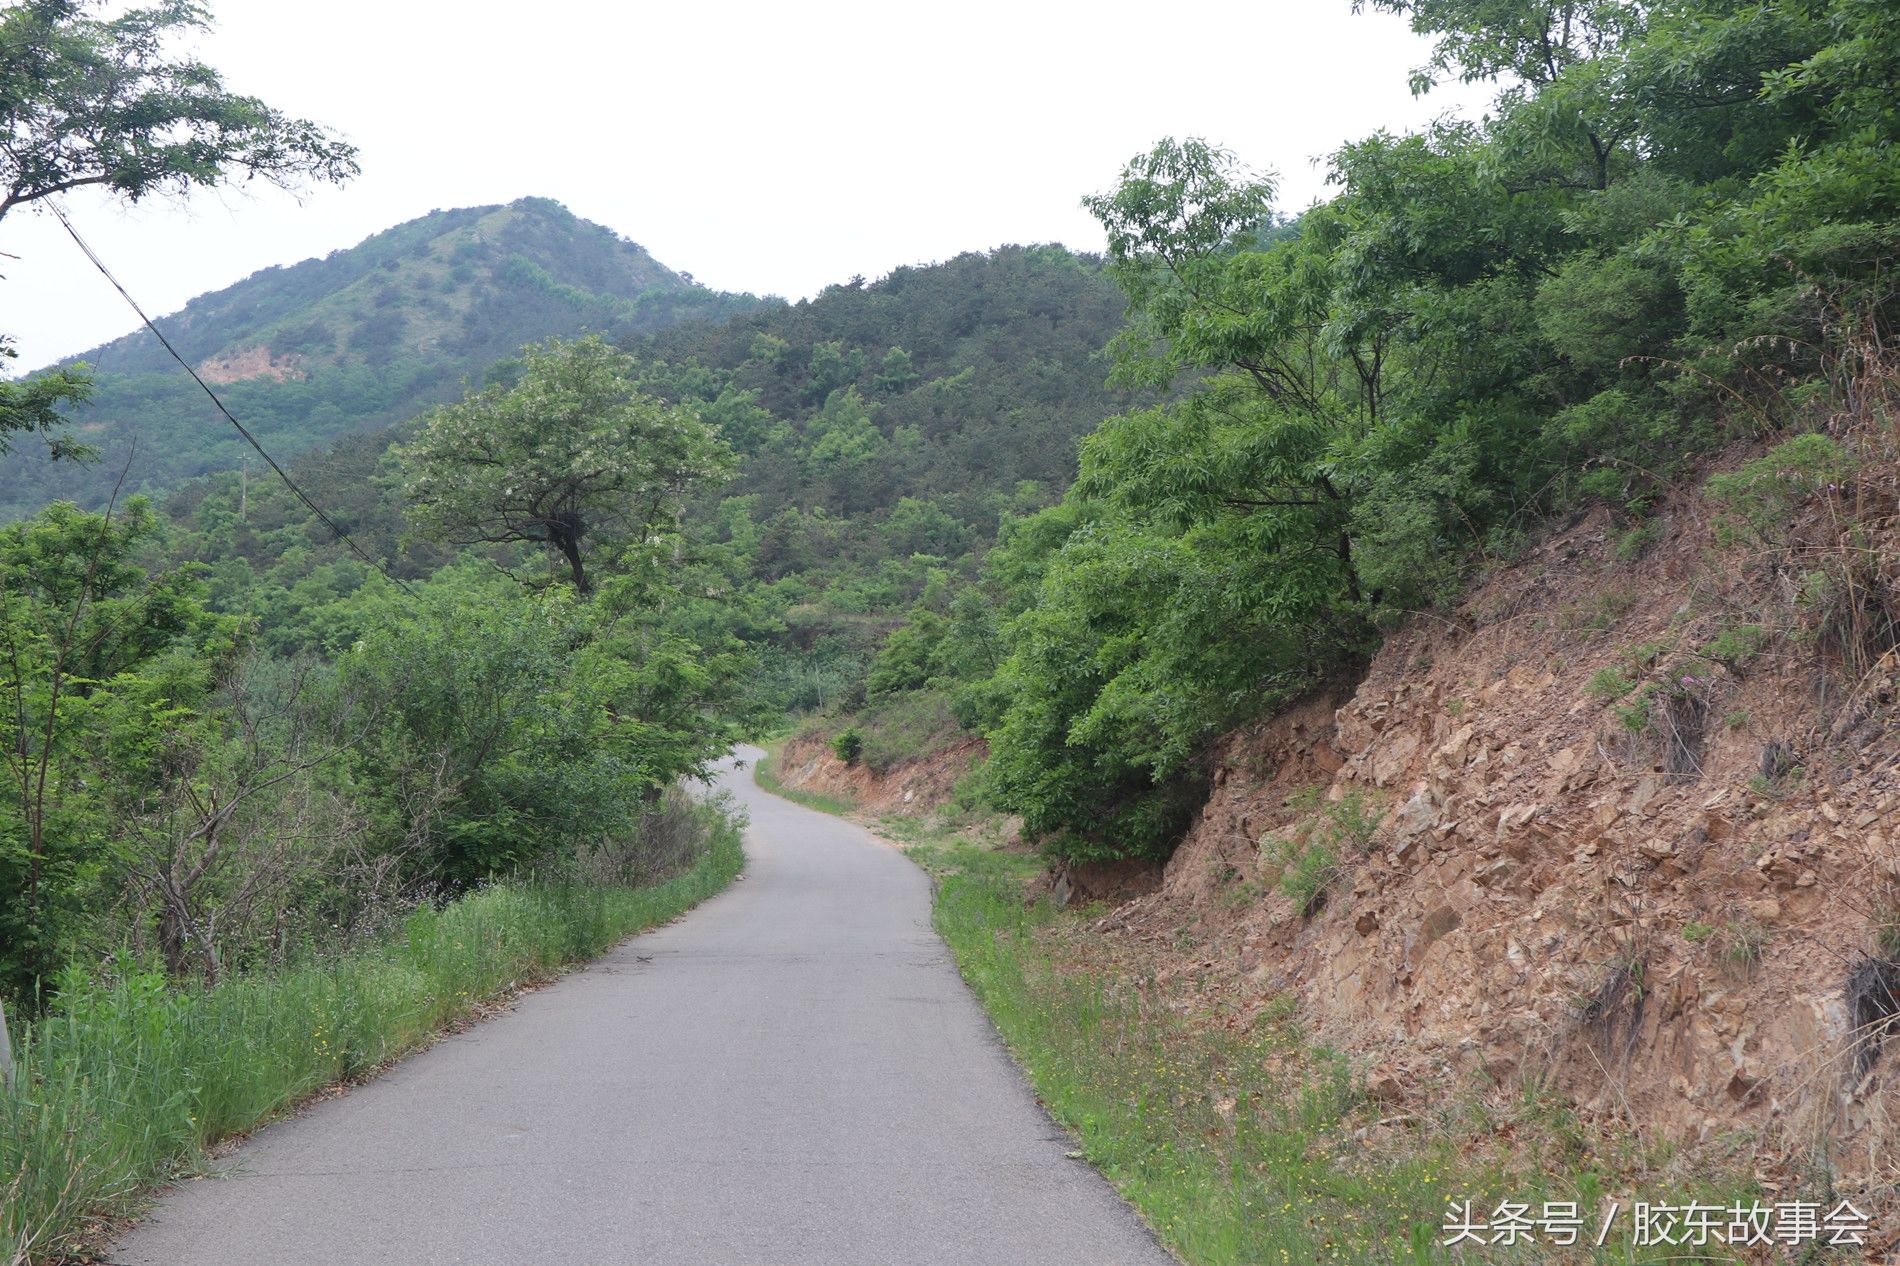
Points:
x=756 y=1084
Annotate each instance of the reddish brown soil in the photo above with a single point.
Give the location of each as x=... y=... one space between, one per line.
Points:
x=1653 y=930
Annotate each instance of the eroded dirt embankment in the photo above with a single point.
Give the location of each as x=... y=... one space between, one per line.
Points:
x=1585 y=836
x=805 y=762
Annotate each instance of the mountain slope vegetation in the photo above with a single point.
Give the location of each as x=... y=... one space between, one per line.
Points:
x=357 y=340
x=1675 y=231
x=881 y=432
x=789 y=492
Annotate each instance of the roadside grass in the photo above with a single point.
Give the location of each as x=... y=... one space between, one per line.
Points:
x=1240 y=1139
x=1220 y=1139
x=130 y=1079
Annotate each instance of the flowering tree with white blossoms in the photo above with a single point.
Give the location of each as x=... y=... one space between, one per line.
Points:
x=572 y=457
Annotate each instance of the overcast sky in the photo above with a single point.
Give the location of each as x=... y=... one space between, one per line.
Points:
x=770 y=147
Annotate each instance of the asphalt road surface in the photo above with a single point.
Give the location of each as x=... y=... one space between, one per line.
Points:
x=793 y=1073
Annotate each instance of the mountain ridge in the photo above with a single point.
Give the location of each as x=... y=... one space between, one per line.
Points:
x=190 y=325
x=357 y=339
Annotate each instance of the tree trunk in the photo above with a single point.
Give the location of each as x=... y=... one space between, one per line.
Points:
x=174 y=933
x=567 y=539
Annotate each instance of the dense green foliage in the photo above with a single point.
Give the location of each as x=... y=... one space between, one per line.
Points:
x=215 y=767
x=33 y=407
x=944 y=383
x=805 y=568
x=883 y=431
x=1674 y=221
x=355 y=341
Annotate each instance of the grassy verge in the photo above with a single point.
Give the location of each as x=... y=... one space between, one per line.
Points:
x=128 y=1078
x=1220 y=1138
x=1243 y=1141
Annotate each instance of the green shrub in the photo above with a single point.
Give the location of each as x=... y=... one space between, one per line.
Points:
x=1744 y=942
x=1352 y=819
x=1637 y=716
x=1307 y=873
x=1634 y=543
x=1737 y=645
x=1334 y=832
x=1603 y=609
x=848 y=745
x=1761 y=496
x=1599 y=312
x=1607 y=684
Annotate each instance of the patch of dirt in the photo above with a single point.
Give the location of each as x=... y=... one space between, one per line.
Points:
x=913 y=789
x=239 y=364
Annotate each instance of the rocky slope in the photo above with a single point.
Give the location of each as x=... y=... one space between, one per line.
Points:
x=1627 y=829
x=1623 y=827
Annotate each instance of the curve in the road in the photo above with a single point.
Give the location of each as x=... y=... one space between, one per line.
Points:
x=793 y=1074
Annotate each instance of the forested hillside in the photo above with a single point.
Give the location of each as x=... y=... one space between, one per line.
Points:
x=1677 y=231
x=782 y=488
x=354 y=341
x=880 y=433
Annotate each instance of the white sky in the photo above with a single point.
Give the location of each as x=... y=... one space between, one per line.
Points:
x=771 y=147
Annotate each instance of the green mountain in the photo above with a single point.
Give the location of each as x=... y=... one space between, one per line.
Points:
x=354 y=341
x=884 y=430
x=954 y=382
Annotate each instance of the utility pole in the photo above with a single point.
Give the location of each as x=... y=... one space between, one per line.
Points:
x=244 y=488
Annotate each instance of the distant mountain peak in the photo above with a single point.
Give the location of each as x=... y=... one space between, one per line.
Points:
x=360 y=338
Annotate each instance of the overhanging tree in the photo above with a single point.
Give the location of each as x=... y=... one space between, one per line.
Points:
x=32 y=407
x=90 y=101
x=87 y=101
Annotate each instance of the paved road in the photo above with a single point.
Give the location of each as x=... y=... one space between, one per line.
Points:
x=792 y=1074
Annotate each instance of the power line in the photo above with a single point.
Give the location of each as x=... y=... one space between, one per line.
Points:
x=164 y=342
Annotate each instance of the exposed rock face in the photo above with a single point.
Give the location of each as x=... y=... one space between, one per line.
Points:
x=912 y=788
x=252 y=362
x=1080 y=883
x=1550 y=892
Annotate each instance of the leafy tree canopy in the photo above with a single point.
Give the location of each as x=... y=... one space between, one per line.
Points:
x=570 y=457
x=91 y=101
x=87 y=100
x=32 y=407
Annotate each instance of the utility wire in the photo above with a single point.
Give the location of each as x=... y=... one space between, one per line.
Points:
x=164 y=342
